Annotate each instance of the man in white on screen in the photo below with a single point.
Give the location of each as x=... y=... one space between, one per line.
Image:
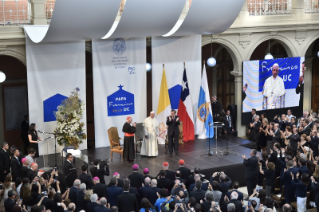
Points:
x=149 y=146
x=274 y=90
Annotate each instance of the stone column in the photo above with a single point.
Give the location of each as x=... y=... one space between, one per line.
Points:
x=38 y=13
x=308 y=85
x=241 y=129
x=297 y=7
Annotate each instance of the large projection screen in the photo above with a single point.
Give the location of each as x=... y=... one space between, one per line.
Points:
x=272 y=86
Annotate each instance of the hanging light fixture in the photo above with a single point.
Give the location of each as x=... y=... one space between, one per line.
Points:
x=2 y=77
x=211 y=61
x=148 y=66
x=269 y=56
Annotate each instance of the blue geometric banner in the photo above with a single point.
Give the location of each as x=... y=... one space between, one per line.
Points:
x=120 y=103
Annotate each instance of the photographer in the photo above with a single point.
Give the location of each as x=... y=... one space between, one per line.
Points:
x=259 y=197
x=179 y=193
x=173 y=206
x=224 y=181
x=100 y=169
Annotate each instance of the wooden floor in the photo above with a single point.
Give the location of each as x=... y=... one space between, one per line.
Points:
x=194 y=153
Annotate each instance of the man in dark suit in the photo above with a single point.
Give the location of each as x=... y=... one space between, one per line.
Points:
x=10 y=203
x=177 y=177
x=80 y=197
x=228 y=123
x=173 y=132
x=133 y=190
x=251 y=171
x=286 y=181
x=277 y=135
x=85 y=178
x=300 y=86
x=15 y=165
x=102 y=207
x=4 y=161
x=254 y=127
x=185 y=172
x=224 y=182
x=152 y=192
x=74 y=190
x=91 y=205
x=144 y=189
x=99 y=188
x=69 y=171
x=235 y=188
x=163 y=182
x=113 y=191
x=306 y=128
x=24 y=133
x=314 y=142
x=136 y=178
x=190 y=179
x=294 y=138
x=303 y=169
x=126 y=201
x=252 y=120
x=216 y=107
x=198 y=193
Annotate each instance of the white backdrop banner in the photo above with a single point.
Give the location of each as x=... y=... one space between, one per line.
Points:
x=54 y=70
x=172 y=52
x=119 y=84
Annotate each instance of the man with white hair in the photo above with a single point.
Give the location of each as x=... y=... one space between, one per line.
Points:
x=228 y=205
x=103 y=207
x=149 y=146
x=74 y=190
x=91 y=205
x=153 y=191
x=80 y=197
x=274 y=90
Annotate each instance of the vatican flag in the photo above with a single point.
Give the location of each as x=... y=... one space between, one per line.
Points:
x=163 y=109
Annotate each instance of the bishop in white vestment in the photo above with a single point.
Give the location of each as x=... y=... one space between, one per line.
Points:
x=149 y=145
x=274 y=90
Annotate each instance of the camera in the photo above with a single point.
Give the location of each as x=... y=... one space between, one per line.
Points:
x=258 y=188
x=103 y=163
x=249 y=204
x=45 y=193
x=181 y=185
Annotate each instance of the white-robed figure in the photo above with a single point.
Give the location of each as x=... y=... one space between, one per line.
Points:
x=274 y=90
x=149 y=146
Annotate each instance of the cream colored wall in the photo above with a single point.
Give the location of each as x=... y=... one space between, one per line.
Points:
x=296 y=32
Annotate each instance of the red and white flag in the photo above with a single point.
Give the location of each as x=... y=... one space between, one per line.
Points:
x=185 y=111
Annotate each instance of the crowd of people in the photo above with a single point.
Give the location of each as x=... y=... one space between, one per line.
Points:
x=25 y=188
x=287 y=164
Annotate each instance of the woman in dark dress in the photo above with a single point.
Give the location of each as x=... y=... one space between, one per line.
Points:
x=263 y=135
x=262 y=162
x=34 y=139
x=269 y=132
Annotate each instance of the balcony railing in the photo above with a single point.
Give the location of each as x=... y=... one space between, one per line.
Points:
x=269 y=7
x=14 y=12
x=49 y=8
x=311 y=6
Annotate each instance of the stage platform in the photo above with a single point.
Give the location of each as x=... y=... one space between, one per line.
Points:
x=194 y=153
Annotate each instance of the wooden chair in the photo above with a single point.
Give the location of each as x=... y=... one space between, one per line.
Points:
x=180 y=127
x=115 y=142
x=279 y=199
x=277 y=185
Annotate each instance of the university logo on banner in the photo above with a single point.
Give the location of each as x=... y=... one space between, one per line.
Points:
x=289 y=71
x=120 y=103
x=50 y=106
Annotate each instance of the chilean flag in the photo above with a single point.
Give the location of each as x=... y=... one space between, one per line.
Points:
x=185 y=111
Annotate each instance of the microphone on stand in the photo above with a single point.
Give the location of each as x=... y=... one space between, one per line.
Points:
x=40 y=131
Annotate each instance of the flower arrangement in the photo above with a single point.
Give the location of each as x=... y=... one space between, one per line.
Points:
x=70 y=129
